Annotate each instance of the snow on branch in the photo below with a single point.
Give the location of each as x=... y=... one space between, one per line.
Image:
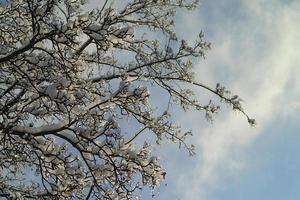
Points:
x=76 y=96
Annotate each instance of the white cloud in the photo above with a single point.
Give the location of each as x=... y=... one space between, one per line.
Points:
x=258 y=58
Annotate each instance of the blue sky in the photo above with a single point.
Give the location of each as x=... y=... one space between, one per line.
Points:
x=255 y=52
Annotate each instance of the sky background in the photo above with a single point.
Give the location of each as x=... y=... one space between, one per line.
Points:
x=255 y=53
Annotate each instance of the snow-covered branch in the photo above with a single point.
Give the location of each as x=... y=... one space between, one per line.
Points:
x=72 y=79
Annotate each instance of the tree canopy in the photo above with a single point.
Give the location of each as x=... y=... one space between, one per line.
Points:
x=71 y=76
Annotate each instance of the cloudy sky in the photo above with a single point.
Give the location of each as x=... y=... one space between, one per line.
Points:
x=256 y=53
